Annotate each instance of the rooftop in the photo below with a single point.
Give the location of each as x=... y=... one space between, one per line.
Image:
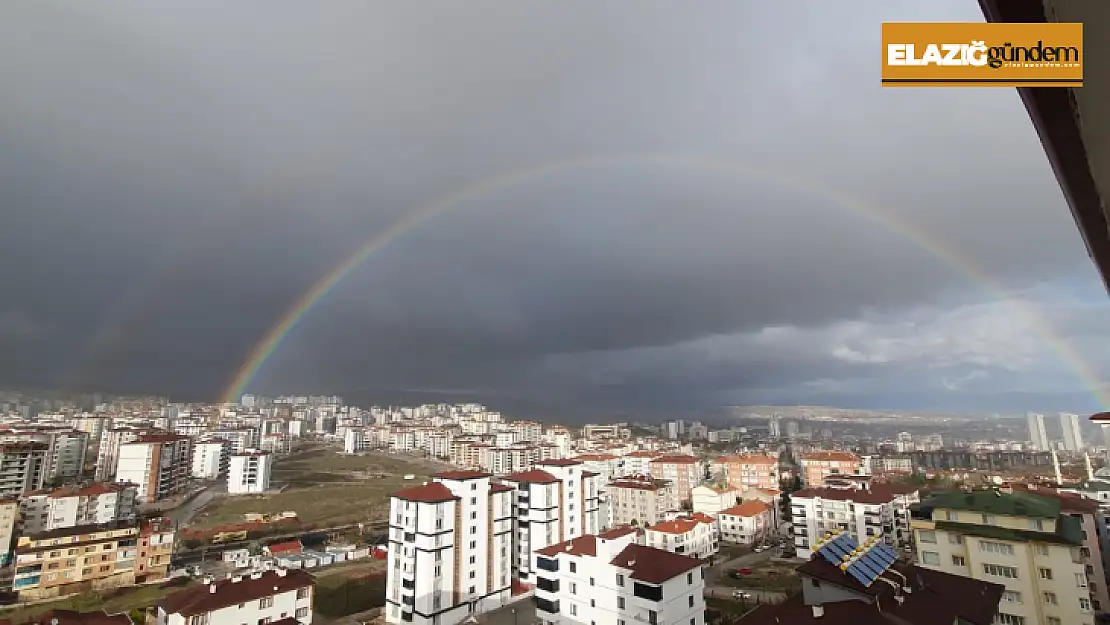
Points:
x=1022 y=504
x=225 y=593
x=653 y=566
x=461 y=476
x=432 y=492
x=534 y=476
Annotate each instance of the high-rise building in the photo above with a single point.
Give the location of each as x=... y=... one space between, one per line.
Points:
x=1020 y=540
x=610 y=578
x=157 y=463
x=450 y=549
x=1037 y=436
x=22 y=468
x=66 y=507
x=1073 y=438
x=249 y=472
x=774 y=428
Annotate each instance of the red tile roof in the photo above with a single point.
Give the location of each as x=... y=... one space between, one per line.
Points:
x=653 y=566
x=676 y=459
x=432 y=492
x=747 y=509
x=617 y=532
x=70 y=617
x=677 y=526
x=535 y=476
x=292 y=546
x=97 y=488
x=159 y=438
x=201 y=599
x=463 y=475
x=564 y=462
x=585 y=545
x=873 y=496
x=501 y=488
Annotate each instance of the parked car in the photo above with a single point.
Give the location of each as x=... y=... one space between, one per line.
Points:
x=760 y=549
x=740 y=594
x=737 y=573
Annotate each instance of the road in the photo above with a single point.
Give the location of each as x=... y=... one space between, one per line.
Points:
x=184 y=513
x=522 y=612
x=758 y=596
x=720 y=569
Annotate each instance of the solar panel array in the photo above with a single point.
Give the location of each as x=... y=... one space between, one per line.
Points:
x=864 y=564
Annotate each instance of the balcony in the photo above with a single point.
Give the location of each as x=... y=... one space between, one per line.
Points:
x=547 y=564
x=544 y=605
x=549 y=585
x=645 y=591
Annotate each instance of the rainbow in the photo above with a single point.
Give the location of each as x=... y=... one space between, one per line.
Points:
x=505 y=181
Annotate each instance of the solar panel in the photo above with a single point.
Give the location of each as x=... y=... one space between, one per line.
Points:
x=890 y=552
x=859 y=577
x=849 y=542
x=829 y=555
x=886 y=553
x=873 y=569
x=873 y=562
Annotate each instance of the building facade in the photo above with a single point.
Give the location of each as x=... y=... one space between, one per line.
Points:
x=278 y=596
x=249 y=472
x=639 y=500
x=818 y=466
x=157 y=463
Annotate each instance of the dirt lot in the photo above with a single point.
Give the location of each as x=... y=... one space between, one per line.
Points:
x=325 y=487
x=769 y=575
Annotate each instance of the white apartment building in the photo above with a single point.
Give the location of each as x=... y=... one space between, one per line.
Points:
x=239 y=439
x=639 y=500
x=97 y=504
x=748 y=523
x=450 y=549
x=249 y=472
x=637 y=463
x=278 y=596
x=1038 y=438
x=696 y=535
x=108 y=455
x=1019 y=540
x=862 y=510
x=276 y=443
x=9 y=520
x=609 y=579
x=711 y=499
x=22 y=468
x=1073 y=436
x=557 y=501
x=157 y=463
x=211 y=459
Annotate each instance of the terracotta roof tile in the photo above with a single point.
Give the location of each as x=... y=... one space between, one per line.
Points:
x=585 y=545
x=675 y=459
x=564 y=462
x=653 y=566
x=534 y=476
x=201 y=599
x=747 y=509
x=432 y=492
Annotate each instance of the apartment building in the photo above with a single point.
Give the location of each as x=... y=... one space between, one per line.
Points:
x=610 y=579
x=155 y=550
x=210 y=459
x=749 y=523
x=97 y=504
x=816 y=467
x=157 y=463
x=555 y=502
x=863 y=510
x=75 y=559
x=696 y=535
x=638 y=463
x=684 y=472
x=901 y=593
x=450 y=549
x=9 y=520
x=65 y=449
x=1020 y=540
x=282 y=596
x=752 y=470
x=108 y=453
x=711 y=499
x=639 y=500
x=22 y=468
x=249 y=472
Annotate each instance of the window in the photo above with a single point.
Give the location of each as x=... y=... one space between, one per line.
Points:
x=927 y=536
x=1085 y=604
x=930 y=557
x=264 y=620
x=1042 y=550
x=990 y=546
x=951 y=515
x=1081 y=580
x=573 y=567
x=1036 y=525
x=573 y=588
x=1052 y=620
x=302 y=612
x=988 y=519
x=956 y=539
x=473 y=559
x=199 y=619
x=691 y=598
x=472 y=575
x=997 y=570
x=1008 y=619
x=573 y=609
x=689 y=578
x=620 y=603
x=265 y=602
x=958 y=561
x=1011 y=596
x=1044 y=573
x=591 y=581
x=1050 y=598
x=620 y=579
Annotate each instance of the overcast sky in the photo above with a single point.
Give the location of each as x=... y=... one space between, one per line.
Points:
x=174 y=176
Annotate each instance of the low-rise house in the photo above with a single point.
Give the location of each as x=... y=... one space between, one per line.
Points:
x=695 y=535
x=749 y=523
x=278 y=596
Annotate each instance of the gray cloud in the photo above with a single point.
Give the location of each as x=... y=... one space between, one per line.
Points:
x=173 y=182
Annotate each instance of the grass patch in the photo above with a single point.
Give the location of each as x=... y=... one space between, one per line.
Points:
x=325 y=489
x=338 y=595
x=111 y=601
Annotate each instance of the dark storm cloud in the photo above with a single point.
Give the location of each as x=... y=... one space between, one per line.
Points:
x=174 y=180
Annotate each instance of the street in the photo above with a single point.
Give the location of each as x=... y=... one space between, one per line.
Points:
x=758 y=596
x=713 y=573
x=522 y=612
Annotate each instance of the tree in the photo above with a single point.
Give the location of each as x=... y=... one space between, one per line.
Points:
x=634 y=523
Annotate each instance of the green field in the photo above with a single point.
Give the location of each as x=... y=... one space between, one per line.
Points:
x=111 y=601
x=325 y=488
